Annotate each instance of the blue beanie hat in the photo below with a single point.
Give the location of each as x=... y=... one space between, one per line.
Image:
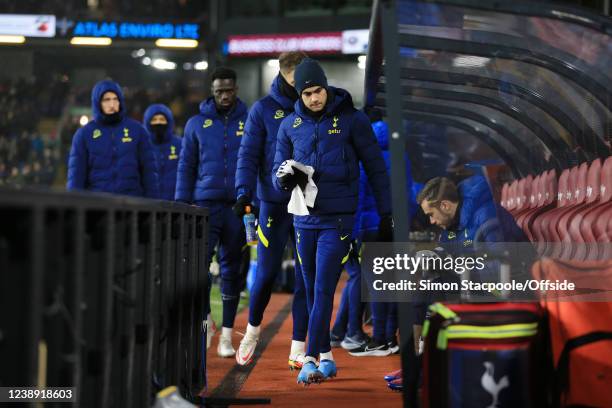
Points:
x=308 y=74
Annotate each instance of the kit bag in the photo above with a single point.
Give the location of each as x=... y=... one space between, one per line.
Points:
x=485 y=355
x=580 y=331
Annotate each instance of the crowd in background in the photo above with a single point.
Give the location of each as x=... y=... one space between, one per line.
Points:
x=27 y=155
x=36 y=129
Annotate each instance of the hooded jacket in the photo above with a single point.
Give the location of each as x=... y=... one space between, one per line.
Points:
x=367 y=216
x=114 y=158
x=333 y=145
x=485 y=227
x=258 y=146
x=480 y=218
x=166 y=153
x=207 y=165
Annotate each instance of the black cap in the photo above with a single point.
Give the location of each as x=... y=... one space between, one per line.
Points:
x=308 y=74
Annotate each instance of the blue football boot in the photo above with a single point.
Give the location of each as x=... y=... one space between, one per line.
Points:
x=309 y=374
x=328 y=368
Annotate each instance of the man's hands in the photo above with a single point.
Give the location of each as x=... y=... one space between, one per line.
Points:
x=289 y=181
x=239 y=208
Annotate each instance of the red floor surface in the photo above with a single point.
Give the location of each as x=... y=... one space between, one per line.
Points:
x=359 y=382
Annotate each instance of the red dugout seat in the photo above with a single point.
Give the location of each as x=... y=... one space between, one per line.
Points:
x=573 y=234
x=532 y=202
x=545 y=201
x=594 y=225
x=542 y=222
x=558 y=230
x=512 y=196
x=504 y=196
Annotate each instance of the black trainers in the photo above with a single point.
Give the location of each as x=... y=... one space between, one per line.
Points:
x=371 y=348
x=353 y=343
x=393 y=346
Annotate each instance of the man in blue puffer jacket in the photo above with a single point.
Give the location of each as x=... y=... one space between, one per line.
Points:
x=112 y=153
x=467 y=215
x=206 y=170
x=159 y=122
x=465 y=211
x=327 y=133
x=255 y=161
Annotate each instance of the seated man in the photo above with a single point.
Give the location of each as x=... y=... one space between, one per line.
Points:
x=464 y=212
x=468 y=216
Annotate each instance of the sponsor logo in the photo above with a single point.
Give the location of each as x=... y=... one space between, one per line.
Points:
x=173 y=155
x=207 y=123
x=335 y=129
x=126 y=136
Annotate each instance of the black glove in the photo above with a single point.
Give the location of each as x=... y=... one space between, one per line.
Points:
x=385 y=229
x=239 y=208
x=255 y=210
x=289 y=181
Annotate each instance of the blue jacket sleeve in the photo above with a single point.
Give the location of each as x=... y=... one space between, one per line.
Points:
x=370 y=155
x=187 y=166
x=148 y=166
x=363 y=188
x=250 y=152
x=77 y=163
x=283 y=152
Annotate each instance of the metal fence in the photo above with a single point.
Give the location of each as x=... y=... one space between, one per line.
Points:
x=103 y=293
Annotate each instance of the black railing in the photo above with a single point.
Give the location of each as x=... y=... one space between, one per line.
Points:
x=103 y=293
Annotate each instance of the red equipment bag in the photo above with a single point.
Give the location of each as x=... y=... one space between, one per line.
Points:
x=580 y=331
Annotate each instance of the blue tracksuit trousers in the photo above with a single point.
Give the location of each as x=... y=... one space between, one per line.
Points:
x=384 y=314
x=322 y=252
x=227 y=230
x=275 y=227
x=384 y=319
x=349 y=319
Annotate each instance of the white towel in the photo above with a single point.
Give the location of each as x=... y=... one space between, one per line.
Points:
x=300 y=200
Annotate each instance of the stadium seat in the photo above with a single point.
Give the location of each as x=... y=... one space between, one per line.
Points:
x=574 y=247
x=523 y=194
x=545 y=201
x=542 y=222
x=531 y=201
x=592 y=225
x=566 y=201
x=504 y=196
x=512 y=196
x=558 y=230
